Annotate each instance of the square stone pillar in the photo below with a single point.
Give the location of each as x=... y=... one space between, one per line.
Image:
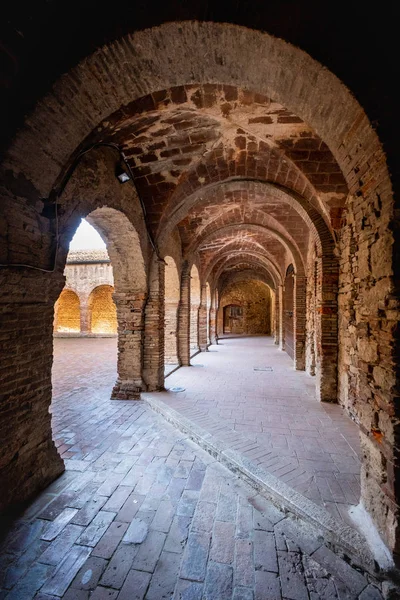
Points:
x=300 y=322
x=29 y=460
x=85 y=317
x=184 y=320
x=130 y=332
x=153 y=362
x=203 y=342
x=279 y=318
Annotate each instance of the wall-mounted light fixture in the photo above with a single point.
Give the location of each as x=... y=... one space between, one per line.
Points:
x=121 y=173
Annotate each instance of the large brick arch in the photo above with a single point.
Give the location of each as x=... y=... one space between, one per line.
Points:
x=255 y=228
x=171 y=301
x=257 y=218
x=102 y=203
x=124 y=248
x=237 y=56
x=252 y=60
x=232 y=254
x=247 y=275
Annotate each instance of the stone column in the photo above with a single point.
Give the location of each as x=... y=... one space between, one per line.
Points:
x=184 y=319
x=28 y=457
x=153 y=367
x=86 y=316
x=130 y=332
x=203 y=342
x=300 y=322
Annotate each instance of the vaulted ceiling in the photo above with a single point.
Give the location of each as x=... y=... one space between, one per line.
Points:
x=238 y=175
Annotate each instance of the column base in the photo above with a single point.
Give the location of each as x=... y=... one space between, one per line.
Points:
x=126 y=390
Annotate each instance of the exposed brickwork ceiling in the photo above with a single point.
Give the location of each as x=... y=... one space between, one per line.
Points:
x=201 y=156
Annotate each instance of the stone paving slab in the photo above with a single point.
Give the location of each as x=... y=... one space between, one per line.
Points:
x=196 y=530
x=222 y=540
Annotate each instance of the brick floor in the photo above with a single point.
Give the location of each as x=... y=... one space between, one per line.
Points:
x=143 y=513
x=272 y=417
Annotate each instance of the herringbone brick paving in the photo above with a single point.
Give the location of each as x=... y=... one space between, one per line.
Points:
x=273 y=418
x=143 y=513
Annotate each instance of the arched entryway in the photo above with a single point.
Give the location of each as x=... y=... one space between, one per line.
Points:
x=103 y=312
x=233 y=319
x=67 y=317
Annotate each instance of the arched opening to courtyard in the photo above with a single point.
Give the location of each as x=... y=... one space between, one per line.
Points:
x=103 y=312
x=67 y=313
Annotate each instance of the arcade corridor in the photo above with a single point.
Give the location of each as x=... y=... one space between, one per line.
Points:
x=239 y=163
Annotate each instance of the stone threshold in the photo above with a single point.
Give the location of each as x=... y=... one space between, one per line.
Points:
x=339 y=537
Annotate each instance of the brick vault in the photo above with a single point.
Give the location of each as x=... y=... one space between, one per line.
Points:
x=256 y=178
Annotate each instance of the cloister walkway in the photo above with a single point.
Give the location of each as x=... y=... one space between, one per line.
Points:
x=246 y=392
x=143 y=513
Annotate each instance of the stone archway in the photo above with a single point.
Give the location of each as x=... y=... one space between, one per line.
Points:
x=103 y=312
x=129 y=295
x=67 y=318
x=258 y=62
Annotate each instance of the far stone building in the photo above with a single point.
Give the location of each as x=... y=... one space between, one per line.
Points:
x=85 y=306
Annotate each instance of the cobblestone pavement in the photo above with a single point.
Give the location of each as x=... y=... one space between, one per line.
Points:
x=143 y=512
x=247 y=394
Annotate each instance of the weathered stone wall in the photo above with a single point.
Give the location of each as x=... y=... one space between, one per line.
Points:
x=368 y=320
x=254 y=298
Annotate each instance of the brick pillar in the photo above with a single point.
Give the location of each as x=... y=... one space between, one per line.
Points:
x=184 y=319
x=300 y=323
x=203 y=342
x=153 y=367
x=327 y=331
x=130 y=332
x=28 y=457
x=213 y=322
x=275 y=317
x=279 y=318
